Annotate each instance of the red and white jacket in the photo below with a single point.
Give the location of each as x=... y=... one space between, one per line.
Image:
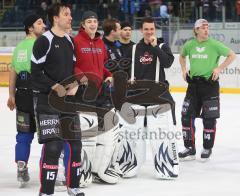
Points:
x=91 y=56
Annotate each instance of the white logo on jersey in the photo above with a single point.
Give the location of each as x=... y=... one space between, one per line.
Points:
x=22 y=56
x=146 y=59
x=200 y=49
x=56 y=46
x=199 y=56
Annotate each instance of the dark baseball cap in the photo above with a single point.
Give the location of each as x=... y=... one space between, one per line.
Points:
x=89 y=14
x=30 y=20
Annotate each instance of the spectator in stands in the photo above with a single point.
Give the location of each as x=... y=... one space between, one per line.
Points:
x=113 y=9
x=170 y=7
x=217 y=4
x=144 y=9
x=174 y=7
x=129 y=8
x=42 y=10
x=164 y=14
x=164 y=11
x=229 y=5
x=103 y=9
x=155 y=6
x=206 y=5
x=237 y=5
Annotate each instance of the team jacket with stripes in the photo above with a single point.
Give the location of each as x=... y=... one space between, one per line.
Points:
x=52 y=61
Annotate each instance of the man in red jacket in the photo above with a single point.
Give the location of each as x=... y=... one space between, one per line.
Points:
x=90 y=51
x=91 y=56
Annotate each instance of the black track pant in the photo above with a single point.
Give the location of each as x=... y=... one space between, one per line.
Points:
x=49 y=165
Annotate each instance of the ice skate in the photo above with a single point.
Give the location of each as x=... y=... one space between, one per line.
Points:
x=187 y=155
x=75 y=192
x=205 y=155
x=43 y=194
x=60 y=184
x=22 y=173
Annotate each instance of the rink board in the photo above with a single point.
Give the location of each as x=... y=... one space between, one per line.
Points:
x=229 y=78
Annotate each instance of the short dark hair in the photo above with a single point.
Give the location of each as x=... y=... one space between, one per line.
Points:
x=109 y=25
x=26 y=29
x=126 y=24
x=147 y=20
x=54 y=10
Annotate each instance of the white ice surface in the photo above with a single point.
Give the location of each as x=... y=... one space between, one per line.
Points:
x=220 y=176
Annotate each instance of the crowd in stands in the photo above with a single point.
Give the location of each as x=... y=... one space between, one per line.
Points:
x=121 y=9
x=125 y=9
x=213 y=9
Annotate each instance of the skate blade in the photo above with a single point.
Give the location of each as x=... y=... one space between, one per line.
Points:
x=130 y=174
x=188 y=158
x=60 y=187
x=167 y=178
x=22 y=184
x=162 y=176
x=204 y=160
x=85 y=184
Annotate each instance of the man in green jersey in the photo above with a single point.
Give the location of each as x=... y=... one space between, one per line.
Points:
x=20 y=94
x=202 y=97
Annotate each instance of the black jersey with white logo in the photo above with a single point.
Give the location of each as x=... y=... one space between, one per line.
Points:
x=146 y=59
x=52 y=61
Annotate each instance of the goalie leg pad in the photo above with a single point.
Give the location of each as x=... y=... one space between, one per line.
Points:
x=132 y=148
x=89 y=128
x=164 y=146
x=106 y=143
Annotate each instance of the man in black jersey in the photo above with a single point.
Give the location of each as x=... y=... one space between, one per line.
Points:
x=151 y=107
x=52 y=62
x=112 y=29
x=125 y=37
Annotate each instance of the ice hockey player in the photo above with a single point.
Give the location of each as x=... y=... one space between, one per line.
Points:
x=202 y=97
x=148 y=114
x=20 y=94
x=52 y=62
